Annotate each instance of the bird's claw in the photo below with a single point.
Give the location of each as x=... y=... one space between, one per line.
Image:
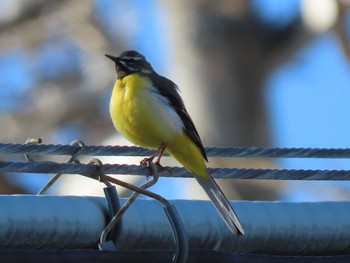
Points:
x=146 y=161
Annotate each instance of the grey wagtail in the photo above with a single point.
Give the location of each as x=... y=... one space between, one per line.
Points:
x=147 y=109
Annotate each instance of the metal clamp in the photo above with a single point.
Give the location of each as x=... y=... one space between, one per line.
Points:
x=113 y=207
x=179 y=234
x=127 y=204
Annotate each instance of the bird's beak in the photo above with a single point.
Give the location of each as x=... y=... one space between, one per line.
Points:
x=113 y=58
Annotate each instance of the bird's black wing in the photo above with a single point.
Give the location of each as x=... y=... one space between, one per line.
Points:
x=169 y=89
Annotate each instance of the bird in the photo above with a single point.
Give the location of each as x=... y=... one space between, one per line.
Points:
x=147 y=109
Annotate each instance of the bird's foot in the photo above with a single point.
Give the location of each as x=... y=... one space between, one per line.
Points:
x=146 y=161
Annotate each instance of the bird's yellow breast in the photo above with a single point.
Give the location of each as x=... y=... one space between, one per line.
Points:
x=141 y=114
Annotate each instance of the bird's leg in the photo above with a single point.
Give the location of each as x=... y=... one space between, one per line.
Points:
x=158 y=152
x=161 y=148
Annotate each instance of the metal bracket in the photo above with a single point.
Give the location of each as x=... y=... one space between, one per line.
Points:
x=179 y=234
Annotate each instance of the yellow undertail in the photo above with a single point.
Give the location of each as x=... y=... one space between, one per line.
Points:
x=186 y=152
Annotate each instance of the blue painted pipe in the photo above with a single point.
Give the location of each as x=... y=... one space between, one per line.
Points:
x=56 y=222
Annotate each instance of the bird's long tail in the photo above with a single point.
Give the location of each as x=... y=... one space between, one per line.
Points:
x=188 y=154
x=221 y=204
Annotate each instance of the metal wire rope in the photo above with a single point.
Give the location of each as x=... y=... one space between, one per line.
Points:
x=224 y=173
x=267 y=152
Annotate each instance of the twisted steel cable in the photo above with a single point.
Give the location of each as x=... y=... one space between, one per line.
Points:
x=223 y=173
x=268 y=152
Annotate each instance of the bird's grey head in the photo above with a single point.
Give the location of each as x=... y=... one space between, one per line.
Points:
x=130 y=62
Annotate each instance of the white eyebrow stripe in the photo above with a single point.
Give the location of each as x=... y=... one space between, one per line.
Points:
x=130 y=58
x=127 y=66
x=133 y=58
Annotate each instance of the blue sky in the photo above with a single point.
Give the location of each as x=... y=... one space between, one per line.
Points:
x=309 y=97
